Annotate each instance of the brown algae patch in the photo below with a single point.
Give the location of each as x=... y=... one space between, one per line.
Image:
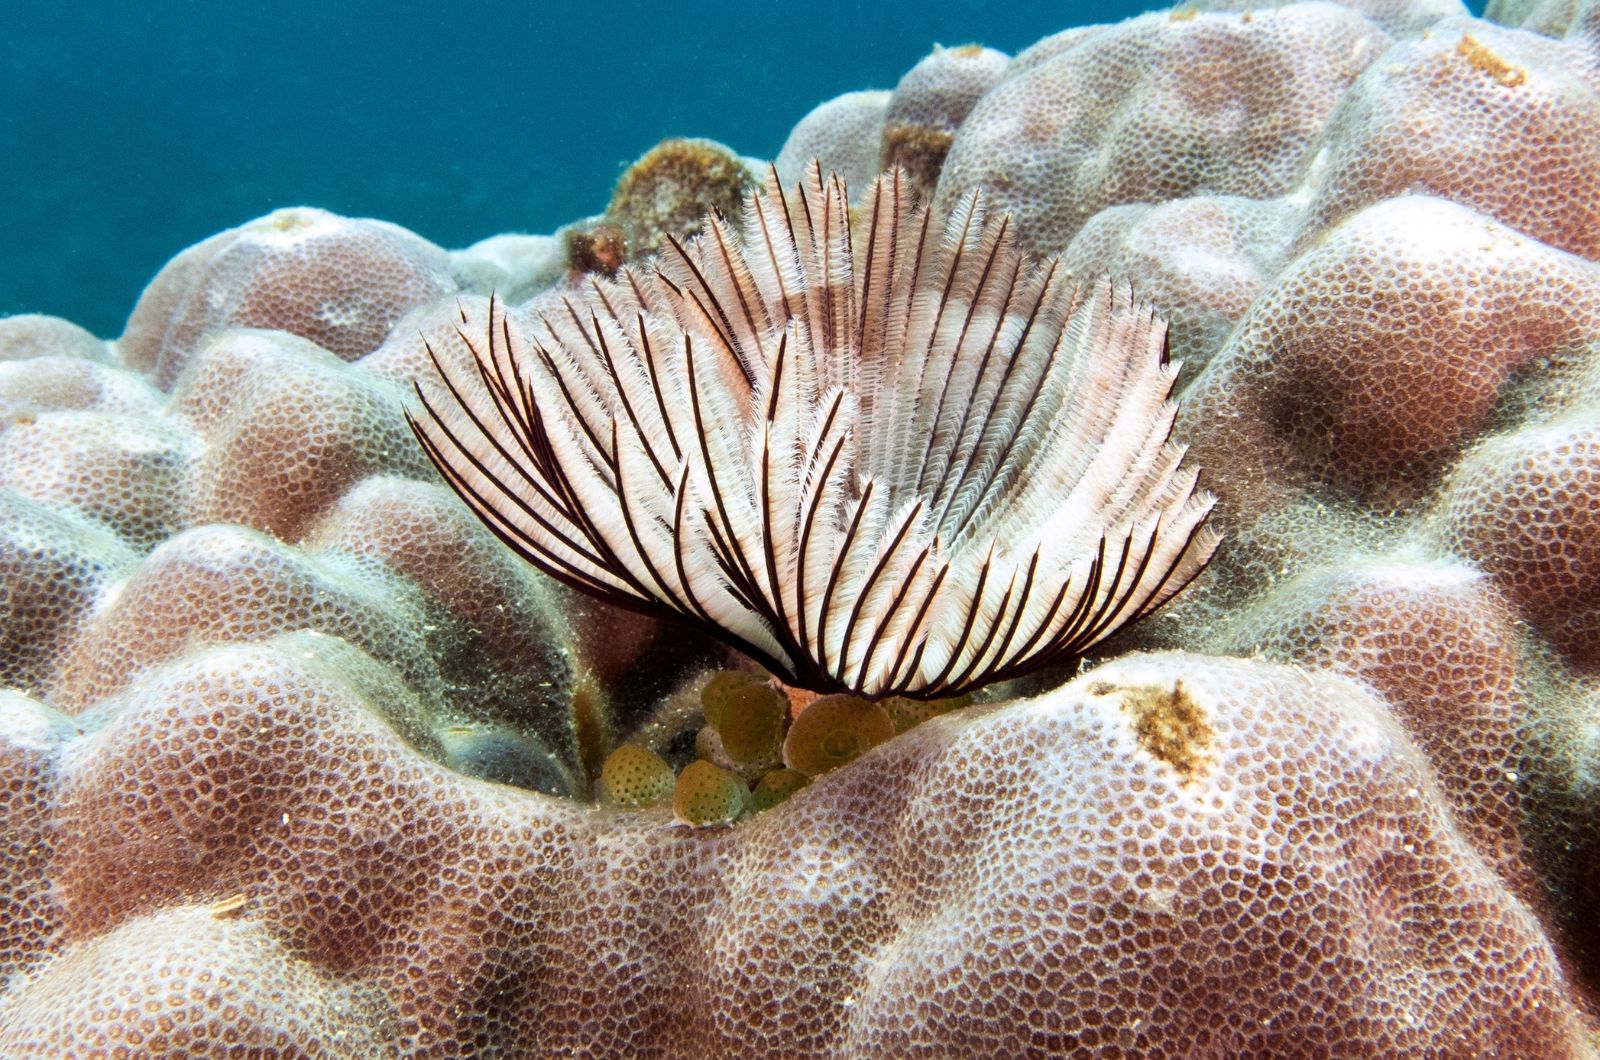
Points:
x=919 y=150
x=1171 y=726
x=668 y=194
x=601 y=249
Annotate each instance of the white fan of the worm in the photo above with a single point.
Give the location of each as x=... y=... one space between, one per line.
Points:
x=888 y=457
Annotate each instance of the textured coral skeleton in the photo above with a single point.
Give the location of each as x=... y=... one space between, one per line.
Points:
x=889 y=457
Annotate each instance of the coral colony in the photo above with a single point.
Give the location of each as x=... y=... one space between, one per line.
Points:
x=298 y=758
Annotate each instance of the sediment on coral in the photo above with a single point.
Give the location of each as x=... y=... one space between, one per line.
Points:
x=296 y=757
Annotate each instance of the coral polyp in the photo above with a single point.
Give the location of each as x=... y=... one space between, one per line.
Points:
x=892 y=456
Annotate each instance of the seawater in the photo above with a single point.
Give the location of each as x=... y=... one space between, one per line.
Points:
x=130 y=131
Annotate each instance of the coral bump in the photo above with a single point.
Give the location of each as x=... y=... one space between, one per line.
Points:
x=888 y=457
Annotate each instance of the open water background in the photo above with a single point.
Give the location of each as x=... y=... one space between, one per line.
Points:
x=128 y=132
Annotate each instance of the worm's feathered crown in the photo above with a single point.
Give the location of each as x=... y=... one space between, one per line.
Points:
x=888 y=457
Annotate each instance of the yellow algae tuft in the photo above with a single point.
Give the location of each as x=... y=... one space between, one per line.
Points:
x=287 y=221
x=1481 y=57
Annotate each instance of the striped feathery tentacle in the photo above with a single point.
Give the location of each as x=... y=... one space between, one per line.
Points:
x=883 y=453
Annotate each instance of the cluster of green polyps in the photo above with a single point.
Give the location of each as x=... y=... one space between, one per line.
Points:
x=751 y=754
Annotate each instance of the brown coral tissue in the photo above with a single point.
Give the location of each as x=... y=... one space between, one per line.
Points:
x=893 y=457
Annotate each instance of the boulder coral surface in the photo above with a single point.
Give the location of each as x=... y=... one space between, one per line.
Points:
x=296 y=759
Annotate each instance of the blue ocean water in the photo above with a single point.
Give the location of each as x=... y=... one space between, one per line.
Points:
x=130 y=132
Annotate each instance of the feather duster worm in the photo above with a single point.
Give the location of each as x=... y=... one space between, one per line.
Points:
x=893 y=457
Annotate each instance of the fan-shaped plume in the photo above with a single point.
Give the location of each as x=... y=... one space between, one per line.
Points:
x=884 y=457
